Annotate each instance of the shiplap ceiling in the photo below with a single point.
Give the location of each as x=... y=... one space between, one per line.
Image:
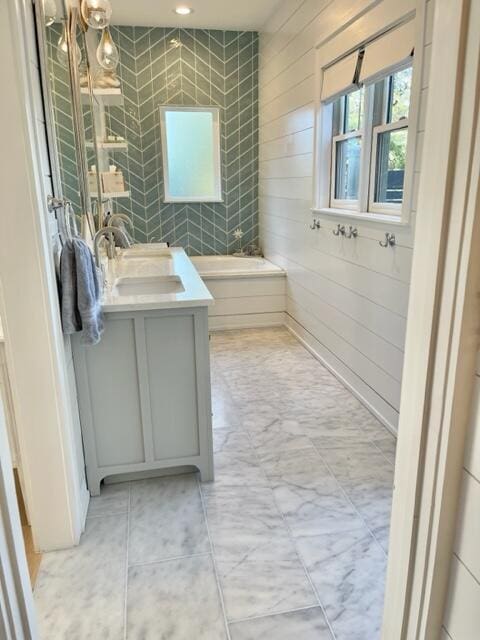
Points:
x=243 y=15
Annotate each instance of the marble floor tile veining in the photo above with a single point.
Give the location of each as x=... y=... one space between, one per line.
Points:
x=167 y=520
x=348 y=572
x=289 y=541
x=175 y=599
x=80 y=592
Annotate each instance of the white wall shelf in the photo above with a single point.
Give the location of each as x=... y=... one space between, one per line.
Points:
x=113 y=146
x=110 y=97
x=112 y=194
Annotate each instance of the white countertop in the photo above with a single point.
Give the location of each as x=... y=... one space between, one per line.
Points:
x=177 y=263
x=2 y=336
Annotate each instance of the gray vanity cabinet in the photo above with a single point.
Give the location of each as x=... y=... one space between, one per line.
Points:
x=144 y=394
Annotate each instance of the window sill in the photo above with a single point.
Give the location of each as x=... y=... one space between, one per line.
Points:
x=381 y=218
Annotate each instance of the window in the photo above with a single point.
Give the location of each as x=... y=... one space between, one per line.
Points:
x=191 y=154
x=346 y=148
x=389 y=145
x=363 y=132
x=386 y=104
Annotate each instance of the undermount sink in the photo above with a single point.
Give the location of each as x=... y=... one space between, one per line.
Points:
x=148 y=285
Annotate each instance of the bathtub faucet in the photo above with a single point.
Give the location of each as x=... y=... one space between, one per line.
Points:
x=250 y=251
x=253 y=250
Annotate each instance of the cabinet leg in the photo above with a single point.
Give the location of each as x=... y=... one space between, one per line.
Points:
x=93 y=484
x=206 y=473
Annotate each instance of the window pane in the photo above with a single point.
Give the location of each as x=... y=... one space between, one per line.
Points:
x=337 y=118
x=191 y=154
x=391 y=157
x=347 y=169
x=354 y=111
x=400 y=87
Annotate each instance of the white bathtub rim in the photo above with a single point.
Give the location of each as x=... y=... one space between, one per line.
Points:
x=232 y=275
x=222 y=273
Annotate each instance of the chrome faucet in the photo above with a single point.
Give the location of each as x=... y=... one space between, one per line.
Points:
x=119 y=220
x=113 y=217
x=109 y=233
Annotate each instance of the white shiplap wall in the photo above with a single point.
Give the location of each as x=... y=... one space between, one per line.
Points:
x=462 y=613
x=347 y=299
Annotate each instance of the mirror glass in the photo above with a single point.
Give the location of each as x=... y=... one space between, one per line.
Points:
x=61 y=103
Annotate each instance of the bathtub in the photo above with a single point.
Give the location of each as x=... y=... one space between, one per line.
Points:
x=249 y=292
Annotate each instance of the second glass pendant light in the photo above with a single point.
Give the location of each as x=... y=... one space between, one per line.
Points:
x=107 y=52
x=96 y=13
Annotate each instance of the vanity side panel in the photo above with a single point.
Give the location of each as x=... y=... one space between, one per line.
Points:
x=113 y=392
x=170 y=348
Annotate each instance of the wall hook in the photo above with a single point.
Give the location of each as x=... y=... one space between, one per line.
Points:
x=316 y=224
x=339 y=231
x=389 y=240
x=352 y=232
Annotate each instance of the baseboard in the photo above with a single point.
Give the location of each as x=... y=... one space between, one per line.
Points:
x=147 y=475
x=383 y=412
x=246 y=321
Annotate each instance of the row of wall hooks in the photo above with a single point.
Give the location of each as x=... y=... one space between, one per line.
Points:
x=352 y=232
x=341 y=230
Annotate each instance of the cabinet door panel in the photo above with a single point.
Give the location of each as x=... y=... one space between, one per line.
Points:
x=170 y=346
x=114 y=395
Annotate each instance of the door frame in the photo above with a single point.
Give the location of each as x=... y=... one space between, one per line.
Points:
x=442 y=333
x=17 y=610
x=55 y=489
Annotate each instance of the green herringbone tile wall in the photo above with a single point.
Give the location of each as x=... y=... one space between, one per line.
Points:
x=176 y=66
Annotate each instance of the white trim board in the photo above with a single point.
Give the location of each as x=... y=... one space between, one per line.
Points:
x=246 y=321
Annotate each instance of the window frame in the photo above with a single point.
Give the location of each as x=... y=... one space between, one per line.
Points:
x=329 y=52
x=215 y=111
x=392 y=208
x=339 y=202
x=365 y=204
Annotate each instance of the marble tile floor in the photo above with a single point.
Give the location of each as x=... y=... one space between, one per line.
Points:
x=289 y=542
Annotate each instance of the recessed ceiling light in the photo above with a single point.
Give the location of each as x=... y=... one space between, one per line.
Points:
x=183 y=11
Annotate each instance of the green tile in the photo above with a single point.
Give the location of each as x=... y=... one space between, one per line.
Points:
x=211 y=67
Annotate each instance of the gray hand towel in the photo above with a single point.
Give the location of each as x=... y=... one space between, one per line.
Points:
x=71 y=321
x=81 y=294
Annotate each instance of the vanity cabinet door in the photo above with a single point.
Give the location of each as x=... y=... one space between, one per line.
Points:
x=109 y=394
x=144 y=394
x=172 y=380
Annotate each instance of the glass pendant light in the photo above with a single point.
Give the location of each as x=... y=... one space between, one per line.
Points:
x=96 y=13
x=107 y=52
x=62 y=49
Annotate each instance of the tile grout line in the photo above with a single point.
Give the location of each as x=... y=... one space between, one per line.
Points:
x=392 y=463
x=214 y=561
x=276 y=613
x=107 y=515
x=349 y=499
x=125 y=606
x=292 y=538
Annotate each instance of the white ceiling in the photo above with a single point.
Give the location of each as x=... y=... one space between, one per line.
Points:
x=242 y=15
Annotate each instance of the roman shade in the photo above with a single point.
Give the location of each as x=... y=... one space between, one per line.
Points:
x=340 y=78
x=388 y=52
